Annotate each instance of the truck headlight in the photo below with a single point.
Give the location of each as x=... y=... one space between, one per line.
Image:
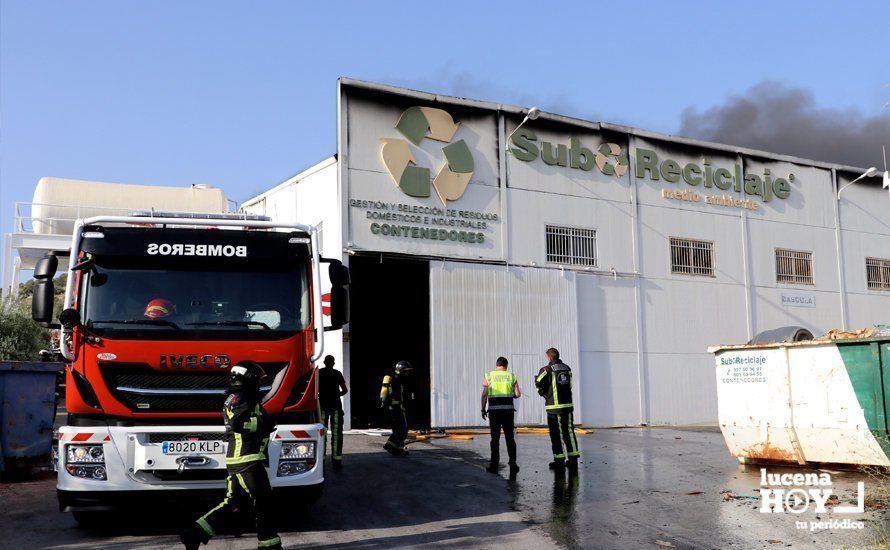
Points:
x=85 y=454
x=294 y=467
x=296 y=457
x=298 y=450
x=86 y=461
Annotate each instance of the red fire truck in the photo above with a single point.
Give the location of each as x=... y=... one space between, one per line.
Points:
x=158 y=307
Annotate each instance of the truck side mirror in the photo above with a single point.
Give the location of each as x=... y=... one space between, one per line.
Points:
x=339 y=276
x=44 y=291
x=42 y=301
x=46 y=267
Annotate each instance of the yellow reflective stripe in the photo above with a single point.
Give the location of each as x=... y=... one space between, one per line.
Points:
x=252 y=425
x=573 y=442
x=541 y=376
x=559 y=456
x=561 y=441
x=553 y=389
x=335 y=438
x=243 y=484
x=562 y=406
x=206 y=526
x=246 y=458
x=238 y=443
x=268 y=542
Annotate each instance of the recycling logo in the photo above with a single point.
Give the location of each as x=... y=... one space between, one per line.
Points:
x=417 y=124
x=606 y=150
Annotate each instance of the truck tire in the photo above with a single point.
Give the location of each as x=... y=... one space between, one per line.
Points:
x=91 y=520
x=781 y=335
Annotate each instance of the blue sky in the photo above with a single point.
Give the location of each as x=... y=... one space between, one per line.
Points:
x=242 y=95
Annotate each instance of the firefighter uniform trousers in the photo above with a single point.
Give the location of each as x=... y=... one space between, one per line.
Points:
x=332 y=419
x=562 y=435
x=502 y=420
x=399 y=423
x=248 y=487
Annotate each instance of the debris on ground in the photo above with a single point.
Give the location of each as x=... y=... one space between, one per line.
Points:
x=695 y=493
x=664 y=543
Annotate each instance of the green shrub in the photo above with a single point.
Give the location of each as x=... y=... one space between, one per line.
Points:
x=20 y=337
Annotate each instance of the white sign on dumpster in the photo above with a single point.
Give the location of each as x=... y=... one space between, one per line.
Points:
x=798 y=299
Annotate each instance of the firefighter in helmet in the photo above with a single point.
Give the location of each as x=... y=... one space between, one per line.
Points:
x=394 y=397
x=247 y=484
x=159 y=308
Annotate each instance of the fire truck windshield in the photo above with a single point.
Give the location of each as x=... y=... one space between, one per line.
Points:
x=197 y=302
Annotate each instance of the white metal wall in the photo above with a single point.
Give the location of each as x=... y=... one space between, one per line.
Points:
x=480 y=312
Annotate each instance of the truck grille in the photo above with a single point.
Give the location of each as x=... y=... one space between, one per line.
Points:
x=143 y=389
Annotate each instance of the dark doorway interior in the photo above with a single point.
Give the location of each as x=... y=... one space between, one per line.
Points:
x=390 y=321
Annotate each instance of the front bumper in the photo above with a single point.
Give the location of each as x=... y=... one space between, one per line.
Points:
x=137 y=467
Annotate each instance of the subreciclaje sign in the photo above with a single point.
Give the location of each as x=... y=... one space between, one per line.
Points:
x=419 y=217
x=698 y=178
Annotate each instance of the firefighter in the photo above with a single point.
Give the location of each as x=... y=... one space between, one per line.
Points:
x=554 y=383
x=159 y=308
x=394 y=396
x=247 y=484
x=332 y=386
x=499 y=388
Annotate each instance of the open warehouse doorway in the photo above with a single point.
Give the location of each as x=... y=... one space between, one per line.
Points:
x=390 y=322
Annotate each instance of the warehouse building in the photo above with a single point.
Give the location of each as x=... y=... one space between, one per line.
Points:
x=630 y=251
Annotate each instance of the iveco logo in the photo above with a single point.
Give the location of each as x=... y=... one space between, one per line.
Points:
x=195 y=361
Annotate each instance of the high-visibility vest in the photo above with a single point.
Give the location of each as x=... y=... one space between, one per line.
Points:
x=500 y=389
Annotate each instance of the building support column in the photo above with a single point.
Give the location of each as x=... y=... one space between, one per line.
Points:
x=746 y=263
x=642 y=375
x=839 y=250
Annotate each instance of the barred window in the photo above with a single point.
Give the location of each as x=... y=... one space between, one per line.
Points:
x=877 y=273
x=794 y=267
x=571 y=245
x=691 y=257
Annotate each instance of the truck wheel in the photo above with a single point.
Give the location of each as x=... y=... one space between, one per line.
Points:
x=783 y=334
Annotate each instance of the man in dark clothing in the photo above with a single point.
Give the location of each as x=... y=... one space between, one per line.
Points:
x=554 y=383
x=247 y=430
x=499 y=389
x=331 y=386
x=394 y=397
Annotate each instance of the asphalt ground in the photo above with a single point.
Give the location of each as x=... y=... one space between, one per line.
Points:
x=637 y=488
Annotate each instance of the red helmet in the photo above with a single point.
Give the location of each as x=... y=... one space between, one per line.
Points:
x=159 y=308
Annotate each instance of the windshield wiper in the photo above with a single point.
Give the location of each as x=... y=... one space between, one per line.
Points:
x=160 y=322
x=232 y=324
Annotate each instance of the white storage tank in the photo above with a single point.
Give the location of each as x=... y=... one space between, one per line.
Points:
x=58 y=201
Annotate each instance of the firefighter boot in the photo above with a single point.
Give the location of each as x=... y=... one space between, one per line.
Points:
x=192 y=537
x=572 y=465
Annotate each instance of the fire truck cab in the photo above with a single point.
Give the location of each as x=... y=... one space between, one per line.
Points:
x=158 y=307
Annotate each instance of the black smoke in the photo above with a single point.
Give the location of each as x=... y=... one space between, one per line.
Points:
x=780 y=119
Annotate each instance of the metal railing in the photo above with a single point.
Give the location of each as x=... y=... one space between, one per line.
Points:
x=692 y=257
x=794 y=267
x=24 y=220
x=571 y=245
x=877 y=271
